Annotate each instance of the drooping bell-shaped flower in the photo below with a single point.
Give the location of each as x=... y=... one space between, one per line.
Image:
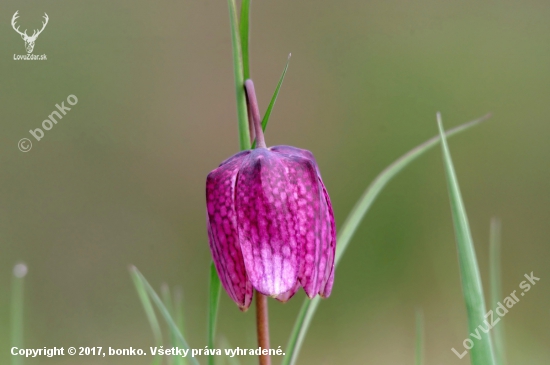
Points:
x=270 y=222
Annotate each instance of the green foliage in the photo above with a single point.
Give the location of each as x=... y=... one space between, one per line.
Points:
x=142 y=284
x=496 y=287
x=245 y=36
x=273 y=99
x=482 y=351
x=214 y=301
x=150 y=313
x=242 y=112
x=349 y=228
x=174 y=307
x=17 y=301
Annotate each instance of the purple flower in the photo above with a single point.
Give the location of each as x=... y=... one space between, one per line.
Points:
x=270 y=224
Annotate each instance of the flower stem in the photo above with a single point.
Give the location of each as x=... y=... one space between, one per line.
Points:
x=254 y=112
x=262 y=323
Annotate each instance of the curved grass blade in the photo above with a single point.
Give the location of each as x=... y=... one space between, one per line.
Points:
x=138 y=277
x=419 y=348
x=482 y=351
x=496 y=287
x=242 y=112
x=245 y=36
x=151 y=316
x=17 y=301
x=169 y=303
x=214 y=301
x=273 y=99
x=350 y=226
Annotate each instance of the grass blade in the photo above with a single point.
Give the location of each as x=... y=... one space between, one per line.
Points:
x=496 y=287
x=166 y=296
x=350 y=226
x=214 y=301
x=151 y=316
x=245 y=36
x=482 y=351
x=17 y=301
x=273 y=99
x=138 y=277
x=419 y=349
x=242 y=112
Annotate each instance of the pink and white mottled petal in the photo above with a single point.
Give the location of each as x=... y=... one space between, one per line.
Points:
x=325 y=229
x=266 y=224
x=329 y=246
x=295 y=151
x=289 y=294
x=222 y=231
x=304 y=185
x=325 y=292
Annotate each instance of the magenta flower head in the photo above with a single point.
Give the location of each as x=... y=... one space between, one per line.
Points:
x=270 y=221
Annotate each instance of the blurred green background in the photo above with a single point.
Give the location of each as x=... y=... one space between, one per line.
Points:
x=120 y=179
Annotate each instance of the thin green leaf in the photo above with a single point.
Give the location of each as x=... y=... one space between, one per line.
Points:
x=151 y=316
x=137 y=276
x=167 y=298
x=273 y=100
x=214 y=301
x=17 y=302
x=242 y=112
x=245 y=36
x=496 y=287
x=169 y=304
x=482 y=351
x=419 y=348
x=350 y=226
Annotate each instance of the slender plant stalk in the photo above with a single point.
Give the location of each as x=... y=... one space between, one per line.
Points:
x=482 y=351
x=245 y=36
x=169 y=303
x=254 y=112
x=350 y=226
x=240 y=68
x=215 y=291
x=182 y=343
x=151 y=316
x=18 y=281
x=262 y=323
x=242 y=113
x=496 y=287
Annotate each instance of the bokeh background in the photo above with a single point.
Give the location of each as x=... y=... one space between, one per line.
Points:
x=120 y=179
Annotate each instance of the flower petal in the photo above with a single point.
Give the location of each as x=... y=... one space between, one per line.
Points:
x=266 y=209
x=289 y=294
x=328 y=248
x=326 y=243
x=222 y=231
x=305 y=186
x=295 y=151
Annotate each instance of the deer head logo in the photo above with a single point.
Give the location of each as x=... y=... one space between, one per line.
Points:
x=29 y=40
